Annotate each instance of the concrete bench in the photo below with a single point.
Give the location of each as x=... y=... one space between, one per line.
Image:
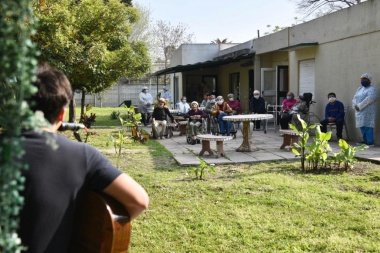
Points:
x=290 y=136
x=206 y=138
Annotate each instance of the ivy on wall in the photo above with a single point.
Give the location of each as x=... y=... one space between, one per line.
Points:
x=17 y=66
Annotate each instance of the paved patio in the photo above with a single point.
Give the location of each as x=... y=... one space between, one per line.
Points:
x=268 y=144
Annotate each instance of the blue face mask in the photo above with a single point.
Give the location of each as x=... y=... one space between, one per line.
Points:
x=364 y=83
x=288 y=97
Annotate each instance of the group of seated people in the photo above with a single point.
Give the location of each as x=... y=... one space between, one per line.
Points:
x=334 y=112
x=217 y=108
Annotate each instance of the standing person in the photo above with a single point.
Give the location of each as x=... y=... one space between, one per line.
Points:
x=257 y=106
x=234 y=104
x=159 y=118
x=287 y=106
x=183 y=106
x=58 y=175
x=220 y=110
x=145 y=105
x=166 y=94
x=195 y=120
x=334 y=113
x=365 y=109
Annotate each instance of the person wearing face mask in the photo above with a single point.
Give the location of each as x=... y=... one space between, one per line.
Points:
x=219 y=110
x=145 y=105
x=183 y=106
x=209 y=105
x=166 y=94
x=299 y=107
x=257 y=106
x=365 y=109
x=334 y=113
x=206 y=97
x=287 y=106
x=234 y=104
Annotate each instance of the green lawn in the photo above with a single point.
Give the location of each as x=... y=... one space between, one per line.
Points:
x=267 y=207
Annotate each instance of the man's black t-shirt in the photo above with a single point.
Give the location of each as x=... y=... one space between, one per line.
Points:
x=54 y=181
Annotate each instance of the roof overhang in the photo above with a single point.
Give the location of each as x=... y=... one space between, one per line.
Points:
x=299 y=46
x=202 y=65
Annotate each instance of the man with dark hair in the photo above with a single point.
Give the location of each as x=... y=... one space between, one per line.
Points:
x=57 y=177
x=334 y=113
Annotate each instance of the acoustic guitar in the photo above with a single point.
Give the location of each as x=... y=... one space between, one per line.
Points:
x=101 y=225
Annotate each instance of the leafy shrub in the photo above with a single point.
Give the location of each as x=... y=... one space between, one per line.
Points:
x=115 y=115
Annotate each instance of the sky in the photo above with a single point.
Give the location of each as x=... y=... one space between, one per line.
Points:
x=238 y=20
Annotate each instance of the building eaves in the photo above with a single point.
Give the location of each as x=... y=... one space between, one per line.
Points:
x=201 y=65
x=299 y=46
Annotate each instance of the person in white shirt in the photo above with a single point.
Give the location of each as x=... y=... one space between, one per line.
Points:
x=166 y=94
x=145 y=105
x=183 y=106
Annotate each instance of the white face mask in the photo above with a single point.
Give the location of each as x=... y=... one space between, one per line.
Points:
x=231 y=99
x=220 y=102
x=256 y=96
x=184 y=101
x=332 y=99
x=212 y=101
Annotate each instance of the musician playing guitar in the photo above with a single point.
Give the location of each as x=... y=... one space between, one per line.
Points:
x=59 y=174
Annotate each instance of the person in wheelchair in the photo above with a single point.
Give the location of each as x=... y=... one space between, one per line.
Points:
x=195 y=120
x=257 y=106
x=300 y=107
x=334 y=113
x=234 y=104
x=209 y=105
x=159 y=118
x=220 y=110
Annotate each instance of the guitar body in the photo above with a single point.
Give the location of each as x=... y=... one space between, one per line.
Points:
x=101 y=225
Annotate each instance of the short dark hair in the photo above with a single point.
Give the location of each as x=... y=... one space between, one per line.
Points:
x=54 y=92
x=331 y=93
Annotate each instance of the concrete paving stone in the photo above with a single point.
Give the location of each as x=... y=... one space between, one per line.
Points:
x=268 y=144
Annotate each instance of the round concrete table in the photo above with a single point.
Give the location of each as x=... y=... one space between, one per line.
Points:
x=174 y=111
x=247 y=145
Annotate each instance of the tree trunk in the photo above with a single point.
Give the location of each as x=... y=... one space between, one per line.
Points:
x=72 y=114
x=82 y=103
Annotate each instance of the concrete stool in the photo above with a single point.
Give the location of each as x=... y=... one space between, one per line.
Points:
x=182 y=127
x=169 y=128
x=290 y=136
x=206 y=138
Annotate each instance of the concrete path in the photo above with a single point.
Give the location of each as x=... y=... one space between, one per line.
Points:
x=268 y=144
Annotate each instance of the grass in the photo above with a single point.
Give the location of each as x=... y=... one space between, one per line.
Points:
x=266 y=207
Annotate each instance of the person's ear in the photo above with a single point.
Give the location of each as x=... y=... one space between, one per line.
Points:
x=61 y=114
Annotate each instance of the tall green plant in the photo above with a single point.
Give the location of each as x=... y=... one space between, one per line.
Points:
x=17 y=66
x=345 y=158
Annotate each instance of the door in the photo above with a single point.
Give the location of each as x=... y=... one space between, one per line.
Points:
x=268 y=85
x=282 y=83
x=235 y=85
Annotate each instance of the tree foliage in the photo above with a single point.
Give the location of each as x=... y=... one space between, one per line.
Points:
x=17 y=66
x=319 y=8
x=170 y=37
x=89 y=41
x=218 y=41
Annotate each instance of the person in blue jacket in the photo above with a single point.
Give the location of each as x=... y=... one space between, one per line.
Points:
x=334 y=113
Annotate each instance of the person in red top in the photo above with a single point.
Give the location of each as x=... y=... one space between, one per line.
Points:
x=195 y=120
x=287 y=106
x=220 y=110
x=288 y=103
x=234 y=104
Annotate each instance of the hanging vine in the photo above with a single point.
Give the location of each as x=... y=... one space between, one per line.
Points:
x=17 y=65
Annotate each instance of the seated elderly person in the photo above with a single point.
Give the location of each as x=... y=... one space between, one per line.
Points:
x=159 y=118
x=195 y=120
x=299 y=107
x=234 y=104
x=183 y=106
x=219 y=110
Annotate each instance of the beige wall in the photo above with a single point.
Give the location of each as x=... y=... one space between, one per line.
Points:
x=348 y=46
